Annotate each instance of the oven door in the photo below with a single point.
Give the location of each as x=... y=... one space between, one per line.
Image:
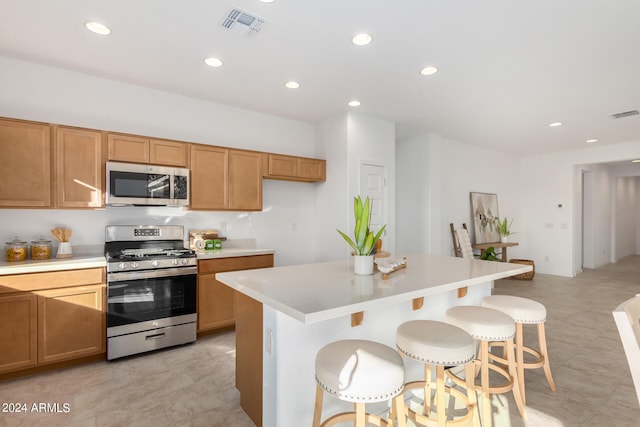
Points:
x=135 y=297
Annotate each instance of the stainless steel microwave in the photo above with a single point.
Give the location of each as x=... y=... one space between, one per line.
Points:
x=146 y=185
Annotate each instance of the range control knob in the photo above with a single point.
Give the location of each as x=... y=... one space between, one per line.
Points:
x=185 y=261
x=155 y=263
x=122 y=265
x=174 y=261
x=135 y=264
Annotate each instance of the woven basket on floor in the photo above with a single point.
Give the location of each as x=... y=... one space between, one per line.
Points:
x=523 y=276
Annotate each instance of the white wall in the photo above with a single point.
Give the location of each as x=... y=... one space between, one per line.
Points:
x=626 y=217
x=372 y=140
x=436 y=176
x=36 y=92
x=550 y=179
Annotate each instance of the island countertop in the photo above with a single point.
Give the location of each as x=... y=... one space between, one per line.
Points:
x=313 y=293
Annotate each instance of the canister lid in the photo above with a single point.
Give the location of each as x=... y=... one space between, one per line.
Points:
x=42 y=241
x=16 y=242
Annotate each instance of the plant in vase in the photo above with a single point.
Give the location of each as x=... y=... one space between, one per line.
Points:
x=364 y=239
x=504 y=229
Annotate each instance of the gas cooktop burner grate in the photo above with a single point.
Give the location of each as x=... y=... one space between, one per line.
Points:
x=151 y=253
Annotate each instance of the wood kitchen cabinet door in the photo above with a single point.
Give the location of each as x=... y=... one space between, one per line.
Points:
x=128 y=148
x=216 y=301
x=168 y=153
x=291 y=168
x=18 y=339
x=71 y=323
x=80 y=172
x=209 y=177
x=245 y=180
x=25 y=164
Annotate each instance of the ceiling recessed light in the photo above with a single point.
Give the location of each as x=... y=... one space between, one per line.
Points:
x=361 y=39
x=213 y=62
x=589 y=141
x=427 y=71
x=635 y=161
x=266 y=1
x=98 y=28
x=555 y=124
x=292 y=85
x=354 y=103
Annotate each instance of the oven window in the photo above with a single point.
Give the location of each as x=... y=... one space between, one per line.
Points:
x=140 y=185
x=149 y=299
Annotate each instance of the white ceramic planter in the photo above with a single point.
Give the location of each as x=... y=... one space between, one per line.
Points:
x=504 y=239
x=363 y=264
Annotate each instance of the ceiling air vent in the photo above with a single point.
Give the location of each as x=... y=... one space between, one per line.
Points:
x=242 y=22
x=625 y=114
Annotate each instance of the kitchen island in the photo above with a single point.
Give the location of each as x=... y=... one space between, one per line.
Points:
x=284 y=315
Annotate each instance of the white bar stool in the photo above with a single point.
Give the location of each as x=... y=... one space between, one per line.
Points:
x=360 y=372
x=440 y=345
x=525 y=311
x=487 y=325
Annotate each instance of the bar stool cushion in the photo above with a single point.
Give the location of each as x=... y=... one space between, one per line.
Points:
x=482 y=323
x=435 y=343
x=522 y=310
x=360 y=371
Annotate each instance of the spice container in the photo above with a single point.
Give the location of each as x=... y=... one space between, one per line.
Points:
x=15 y=250
x=41 y=249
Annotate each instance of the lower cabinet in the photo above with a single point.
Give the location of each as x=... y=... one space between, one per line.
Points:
x=18 y=332
x=71 y=323
x=44 y=326
x=216 y=300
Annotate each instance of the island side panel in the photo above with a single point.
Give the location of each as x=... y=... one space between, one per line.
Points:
x=289 y=356
x=249 y=349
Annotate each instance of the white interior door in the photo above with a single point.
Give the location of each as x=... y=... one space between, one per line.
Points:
x=373 y=185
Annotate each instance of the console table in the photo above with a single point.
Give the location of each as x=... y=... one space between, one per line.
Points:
x=498 y=245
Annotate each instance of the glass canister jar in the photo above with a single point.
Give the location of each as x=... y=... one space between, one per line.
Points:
x=15 y=250
x=41 y=248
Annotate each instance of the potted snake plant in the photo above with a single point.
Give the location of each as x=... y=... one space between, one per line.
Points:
x=504 y=229
x=364 y=240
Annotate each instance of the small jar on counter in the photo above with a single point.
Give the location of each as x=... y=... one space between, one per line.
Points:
x=15 y=250
x=41 y=249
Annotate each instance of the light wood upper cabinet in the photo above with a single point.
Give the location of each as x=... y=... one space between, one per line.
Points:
x=135 y=149
x=292 y=168
x=245 y=180
x=128 y=148
x=25 y=164
x=71 y=323
x=223 y=179
x=209 y=177
x=168 y=153
x=18 y=339
x=79 y=168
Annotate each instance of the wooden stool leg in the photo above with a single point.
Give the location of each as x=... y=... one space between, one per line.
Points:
x=520 y=360
x=317 y=411
x=484 y=381
x=360 y=415
x=469 y=375
x=440 y=405
x=542 y=340
x=514 y=374
x=428 y=384
x=398 y=409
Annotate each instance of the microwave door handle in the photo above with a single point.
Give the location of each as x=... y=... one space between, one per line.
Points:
x=151 y=274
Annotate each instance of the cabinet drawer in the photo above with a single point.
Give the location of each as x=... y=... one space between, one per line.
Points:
x=51 y=280
x=235 y=263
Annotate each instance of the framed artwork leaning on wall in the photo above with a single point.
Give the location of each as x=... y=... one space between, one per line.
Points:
x=484 y=211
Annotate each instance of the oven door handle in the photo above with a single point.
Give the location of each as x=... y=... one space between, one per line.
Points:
x=151 y=274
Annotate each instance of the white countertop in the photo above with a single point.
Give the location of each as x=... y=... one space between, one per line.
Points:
x=233 y=252
x=315 y=292
x=82 y=258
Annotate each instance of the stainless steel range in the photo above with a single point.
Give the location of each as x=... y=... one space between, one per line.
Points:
x=151 y=287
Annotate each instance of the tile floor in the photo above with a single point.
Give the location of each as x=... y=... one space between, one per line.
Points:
x=193 y=385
